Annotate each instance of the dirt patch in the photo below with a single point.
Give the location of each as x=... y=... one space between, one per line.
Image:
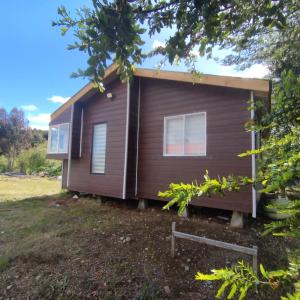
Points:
x=84 y=249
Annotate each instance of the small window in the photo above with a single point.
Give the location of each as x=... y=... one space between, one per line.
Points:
x=63 y=138
x=99 y=148
x=58 y=138
x=185 y=135
x=53 y=139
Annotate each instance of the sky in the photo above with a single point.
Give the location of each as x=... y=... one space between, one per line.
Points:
x=35 y=65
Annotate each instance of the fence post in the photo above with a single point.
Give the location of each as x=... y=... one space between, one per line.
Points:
x=173 y=240
x=254 y=260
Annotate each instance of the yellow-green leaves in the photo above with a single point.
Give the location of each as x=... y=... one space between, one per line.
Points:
x=183 y=193
x=236 y=281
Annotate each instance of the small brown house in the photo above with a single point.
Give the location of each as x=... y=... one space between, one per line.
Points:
x=134 y=139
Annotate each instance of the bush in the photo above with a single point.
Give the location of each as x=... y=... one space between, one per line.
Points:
x=3 y=164
x=34 y=160
x=52 y=168
x=31 y=160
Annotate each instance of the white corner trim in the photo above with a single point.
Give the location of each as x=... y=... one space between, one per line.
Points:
x=137 y=140
x=126 y=141
x=70 y=146
x=81 y=132
x=253 y=159
x=62 y=173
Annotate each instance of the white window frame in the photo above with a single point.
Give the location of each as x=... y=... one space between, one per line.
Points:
x=49 y=139
x=183 y=128
x=92 y=149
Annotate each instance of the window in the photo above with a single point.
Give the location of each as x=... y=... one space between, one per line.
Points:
x=185 y=135
x=59 y=138
x=99 y=148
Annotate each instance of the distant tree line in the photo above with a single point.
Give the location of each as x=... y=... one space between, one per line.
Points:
x=21 y=147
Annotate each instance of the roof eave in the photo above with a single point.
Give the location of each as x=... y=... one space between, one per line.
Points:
x=256 y=85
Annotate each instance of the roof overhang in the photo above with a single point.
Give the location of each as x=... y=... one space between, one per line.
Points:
x=259 y=86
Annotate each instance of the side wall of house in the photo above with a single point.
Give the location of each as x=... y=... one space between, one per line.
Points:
x=226 y=113
x=132 y=139
x=100 y=109
x=64 y=117
x=76 y=130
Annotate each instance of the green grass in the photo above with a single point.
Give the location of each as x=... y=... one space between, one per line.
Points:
x=18 y=188
x=56 y=247
x=40 y=226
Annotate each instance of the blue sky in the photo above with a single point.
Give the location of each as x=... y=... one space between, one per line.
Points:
x=35 y=65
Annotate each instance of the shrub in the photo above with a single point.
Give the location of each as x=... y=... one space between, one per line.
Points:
x=52 y=168
x=31 y=160
x=34 y=160
x=3 y=164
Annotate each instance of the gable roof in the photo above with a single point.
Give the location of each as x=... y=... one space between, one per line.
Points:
x=262 y=86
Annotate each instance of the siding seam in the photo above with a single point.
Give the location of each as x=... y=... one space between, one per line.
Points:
x=70 y=146
x=81 y=132
x=126 y=141
x=253 y=160
x=137 y=141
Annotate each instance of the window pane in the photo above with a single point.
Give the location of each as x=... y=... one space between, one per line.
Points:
x=195 y=134
x=53 y=139
x=63 y=138
x=174 y=136
x=99 y=148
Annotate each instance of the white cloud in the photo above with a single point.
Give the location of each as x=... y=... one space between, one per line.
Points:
x=156 y=44
x=255 y=71
x=38 y=126
x=58 y=99
x=39 y=121
x=29 y=107
x=195 y=53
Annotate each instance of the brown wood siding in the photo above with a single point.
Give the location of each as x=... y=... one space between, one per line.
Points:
x=58 y=156
x=132 y=139
x=64 y=174
x=112 y=111
x=226 y=113
x=64 y=117
x=76 y=130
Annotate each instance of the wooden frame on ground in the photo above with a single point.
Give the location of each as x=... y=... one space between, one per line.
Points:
x=203 y=240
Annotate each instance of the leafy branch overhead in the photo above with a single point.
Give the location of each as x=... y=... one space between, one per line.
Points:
x=113 y=31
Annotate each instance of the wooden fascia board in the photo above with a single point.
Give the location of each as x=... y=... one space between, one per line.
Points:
x=85 y=90
x=261 y=85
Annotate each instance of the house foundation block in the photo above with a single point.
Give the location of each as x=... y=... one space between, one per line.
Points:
x=237 y=220
x=186 y=213
x=143 y=204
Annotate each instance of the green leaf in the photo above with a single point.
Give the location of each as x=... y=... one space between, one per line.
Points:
x=222 y=289
x=263 y=271
x=232 y=291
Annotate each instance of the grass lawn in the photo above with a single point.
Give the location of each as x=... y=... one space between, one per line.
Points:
x=18 y=188
x=56 y=247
